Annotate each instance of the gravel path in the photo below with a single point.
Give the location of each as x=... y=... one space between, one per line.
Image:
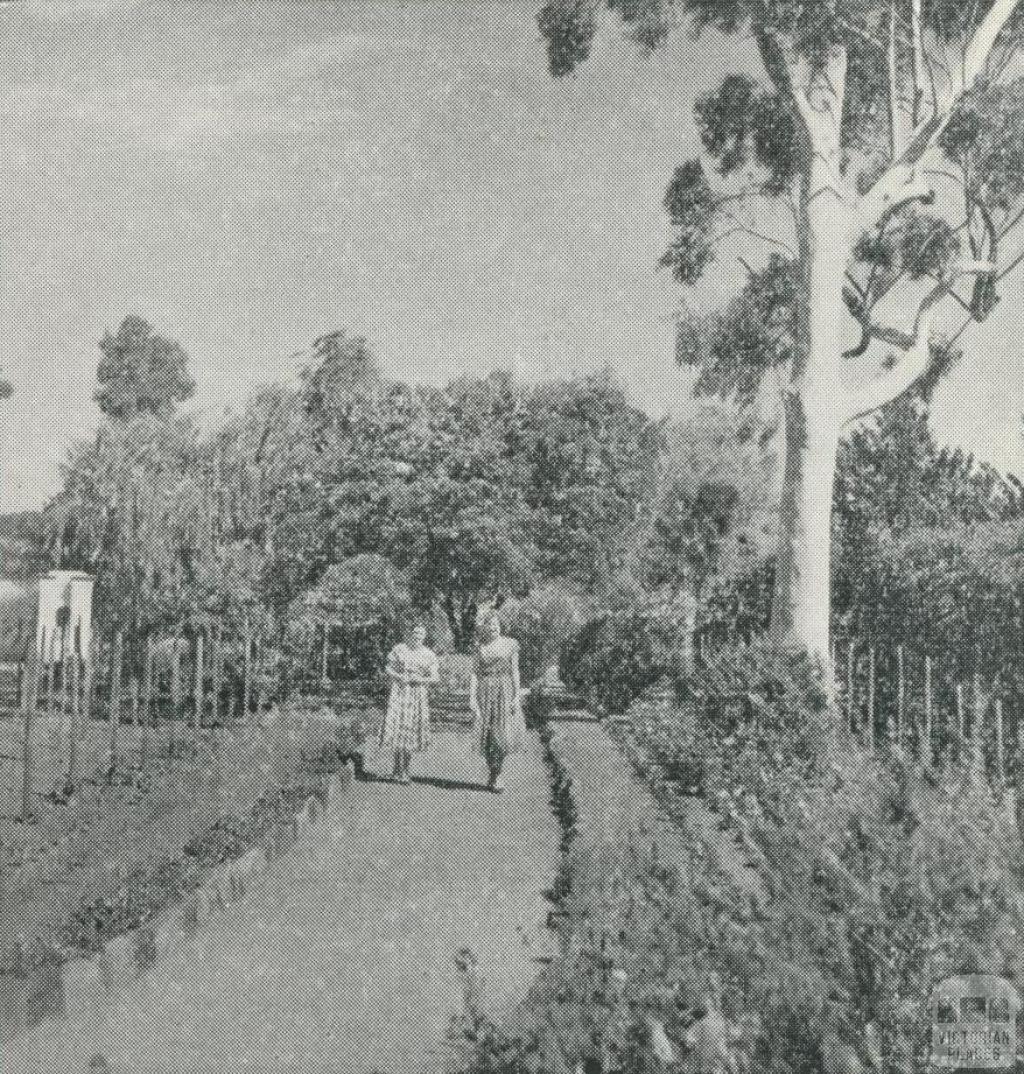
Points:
x=341 y=958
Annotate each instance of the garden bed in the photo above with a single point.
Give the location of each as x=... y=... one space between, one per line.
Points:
x=120 y=852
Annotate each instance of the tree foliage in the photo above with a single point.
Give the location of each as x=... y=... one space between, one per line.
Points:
x=141 y=372
x=887 y=173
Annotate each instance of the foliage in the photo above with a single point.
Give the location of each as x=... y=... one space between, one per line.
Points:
x=474 y=492
x=141 y=372
x=592 y=463
x=921 y=173
x=872 y=880
x=542 y=623
x=614 y=657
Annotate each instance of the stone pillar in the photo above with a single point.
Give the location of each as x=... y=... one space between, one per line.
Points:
x=65 y=601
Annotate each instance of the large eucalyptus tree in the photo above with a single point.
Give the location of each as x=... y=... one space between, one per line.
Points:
x=881 y=155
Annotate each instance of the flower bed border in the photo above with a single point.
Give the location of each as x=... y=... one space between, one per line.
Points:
x=80 y=983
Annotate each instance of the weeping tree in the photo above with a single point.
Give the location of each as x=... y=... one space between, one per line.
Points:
x=880 y=156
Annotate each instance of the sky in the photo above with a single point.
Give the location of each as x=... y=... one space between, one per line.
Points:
x=248 y=176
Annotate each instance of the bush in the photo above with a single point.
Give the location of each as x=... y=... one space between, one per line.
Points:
x=542 y=623
x=875 y=879
x=613 y=659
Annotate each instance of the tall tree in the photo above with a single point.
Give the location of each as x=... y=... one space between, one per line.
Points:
x=141 y=372
x=883 y=128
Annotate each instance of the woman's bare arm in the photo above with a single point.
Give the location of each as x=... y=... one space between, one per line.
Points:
x=395 y=674
x=516 y=685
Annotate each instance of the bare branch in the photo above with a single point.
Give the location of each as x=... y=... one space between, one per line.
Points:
x=894 y=103
x=901 y=183
x=744 y=229
x=908 y=369
x=917 y=61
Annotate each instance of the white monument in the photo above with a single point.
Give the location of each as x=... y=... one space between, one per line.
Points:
x=65 y=605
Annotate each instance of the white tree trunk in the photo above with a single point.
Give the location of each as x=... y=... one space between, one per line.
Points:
x=802 y=595
x=813 y=405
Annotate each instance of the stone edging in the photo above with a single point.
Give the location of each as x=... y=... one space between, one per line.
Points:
x=83 y=987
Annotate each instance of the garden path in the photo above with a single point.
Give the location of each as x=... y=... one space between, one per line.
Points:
x=340 y=959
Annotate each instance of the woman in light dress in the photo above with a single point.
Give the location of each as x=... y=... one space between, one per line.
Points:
x=495 y=699
x=411 y=667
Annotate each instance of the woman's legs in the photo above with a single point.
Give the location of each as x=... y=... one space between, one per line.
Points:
x=495 y=757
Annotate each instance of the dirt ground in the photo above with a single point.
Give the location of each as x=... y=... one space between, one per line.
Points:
x=75 y=852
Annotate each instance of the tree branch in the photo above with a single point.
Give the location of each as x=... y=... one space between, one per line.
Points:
x=917 y=61
x=894 y=100
x=901 y=182
x=893 y=382
x=916 y=347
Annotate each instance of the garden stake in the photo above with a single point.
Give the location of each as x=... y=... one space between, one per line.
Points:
x=978 y=722
x=72 y=690
x=116 y=686
x=960 y=715
x=926 y=754
x=175 y=685
x=247 y=668
x=28 y=707
x=1000 y=759
x=199 y=681
x=871 y=697
x=850 y=686
x=217 y=656
x=51 y=669
x=900 y=698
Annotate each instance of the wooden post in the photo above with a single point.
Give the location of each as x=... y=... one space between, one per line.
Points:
x=261 y=699
x=926 y=753
x=72 y=691
x=64 y=698
x=871 y=696
x=850 y=685
x=89 y=686
x=28 y=712
x=1000 y=757
x=175 y=684
x=149 y=694
x=960 y=717
x=901 y=697
x=51 y=684
x=217 y=656
x=134 y=700
x=198 y=693
x=247 y=673
x=978 y=722
x=116 y=687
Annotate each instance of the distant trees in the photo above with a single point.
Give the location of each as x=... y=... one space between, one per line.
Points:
x=141 y=372
x=473 y=492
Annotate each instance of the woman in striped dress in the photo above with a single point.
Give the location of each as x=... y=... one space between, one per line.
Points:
x=495 y=699
x=411 y=667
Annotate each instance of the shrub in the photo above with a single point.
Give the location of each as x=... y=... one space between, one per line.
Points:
x=612 y=659
x=542 y=623
x=875 y=878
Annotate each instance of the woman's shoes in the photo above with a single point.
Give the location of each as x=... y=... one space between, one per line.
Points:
x=404 y=778
x=496 y=784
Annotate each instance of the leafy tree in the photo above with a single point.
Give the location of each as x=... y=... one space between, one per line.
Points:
x=141 y=372
x=342 y=370
x=901 y=170
x=592 y=464
x=132 y=512
x=716 y=507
